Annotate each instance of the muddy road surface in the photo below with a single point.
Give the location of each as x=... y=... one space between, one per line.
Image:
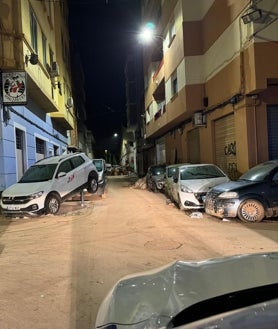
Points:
x=55 y=270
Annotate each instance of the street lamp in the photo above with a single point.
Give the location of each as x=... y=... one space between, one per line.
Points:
x=148 y=34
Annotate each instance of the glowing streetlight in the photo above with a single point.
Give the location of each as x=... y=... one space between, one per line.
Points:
x=147 y=33
x=115 y=135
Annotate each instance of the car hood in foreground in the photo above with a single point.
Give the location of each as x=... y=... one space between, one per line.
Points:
x=234 y=185
x=19 y=189
x=203 y=185
x=151 y=299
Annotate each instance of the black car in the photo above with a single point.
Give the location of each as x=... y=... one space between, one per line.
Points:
x=155 y=178
x=251 y=198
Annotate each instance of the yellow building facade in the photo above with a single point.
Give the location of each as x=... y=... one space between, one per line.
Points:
x=40 y=28
x=211 y=91
x=35 y=60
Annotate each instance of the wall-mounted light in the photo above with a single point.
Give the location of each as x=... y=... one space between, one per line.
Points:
x=252 y=15
x=33 y=59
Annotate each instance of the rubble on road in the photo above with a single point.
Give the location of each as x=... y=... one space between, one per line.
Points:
x=140 y=184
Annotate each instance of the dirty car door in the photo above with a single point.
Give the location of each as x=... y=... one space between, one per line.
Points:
x=66 y=183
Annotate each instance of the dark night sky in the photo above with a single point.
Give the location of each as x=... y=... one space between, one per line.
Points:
x=104 y=31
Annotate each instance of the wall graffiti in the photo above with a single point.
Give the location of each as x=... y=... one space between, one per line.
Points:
x=232 y=171
x=230 y=149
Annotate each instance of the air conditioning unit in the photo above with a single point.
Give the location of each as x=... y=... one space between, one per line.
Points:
x=55 y=69
x=199 y=119
x=69 y=102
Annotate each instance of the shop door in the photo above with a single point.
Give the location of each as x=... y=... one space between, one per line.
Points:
x=161 y=151
x=225 y=146
x=193 y=138
x=272 y=124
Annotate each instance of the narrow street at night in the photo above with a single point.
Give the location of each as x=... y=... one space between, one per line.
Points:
x=56 y=270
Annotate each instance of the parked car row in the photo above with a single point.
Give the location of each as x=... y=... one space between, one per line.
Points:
x=253 y=197
x=185 y=184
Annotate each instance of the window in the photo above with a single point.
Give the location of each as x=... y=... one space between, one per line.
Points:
x=56 y=150
x=174 y=81
x=19 y=139
x=77 y=161
x=40 y=148
x=65 y=167
x=44 y=49
x=172 y=30
x=34 y=31
x=51 y=57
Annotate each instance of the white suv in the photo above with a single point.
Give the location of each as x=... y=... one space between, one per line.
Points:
x=47 y=183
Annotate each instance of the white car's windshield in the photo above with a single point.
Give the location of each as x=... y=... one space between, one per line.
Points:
x=200 y=172
x=38 y=173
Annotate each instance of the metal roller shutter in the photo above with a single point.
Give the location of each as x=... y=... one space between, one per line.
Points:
x=272 y=124
x=225 y=145
x=193 y=140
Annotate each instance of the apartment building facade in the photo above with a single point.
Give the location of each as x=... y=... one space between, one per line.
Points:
x=211 y=82
x=37 y=109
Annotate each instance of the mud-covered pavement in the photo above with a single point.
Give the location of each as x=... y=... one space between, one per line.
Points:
x=55 y=270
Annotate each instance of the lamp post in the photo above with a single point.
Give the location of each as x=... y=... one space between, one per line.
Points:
x=148 y=34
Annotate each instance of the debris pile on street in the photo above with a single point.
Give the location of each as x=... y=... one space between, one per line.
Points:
x=140 y=184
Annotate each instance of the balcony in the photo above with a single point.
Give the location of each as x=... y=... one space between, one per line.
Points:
x=64 y=119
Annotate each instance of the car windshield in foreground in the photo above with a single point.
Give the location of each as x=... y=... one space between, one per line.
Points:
x=200 y=172
x=38 y=173
x=259 y=173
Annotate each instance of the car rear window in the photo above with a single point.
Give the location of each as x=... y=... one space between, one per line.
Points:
x=77 y=161
x=38 y=173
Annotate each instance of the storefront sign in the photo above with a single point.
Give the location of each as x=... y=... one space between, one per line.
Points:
x=14 y=88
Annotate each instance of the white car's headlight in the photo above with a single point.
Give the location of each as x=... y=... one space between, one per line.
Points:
x=228 y=195
x=36 y=195
x=186 y=189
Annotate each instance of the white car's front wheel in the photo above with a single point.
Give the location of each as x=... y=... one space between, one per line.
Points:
x=52 y=204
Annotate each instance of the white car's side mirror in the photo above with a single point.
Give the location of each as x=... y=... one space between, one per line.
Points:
x=61 y=174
